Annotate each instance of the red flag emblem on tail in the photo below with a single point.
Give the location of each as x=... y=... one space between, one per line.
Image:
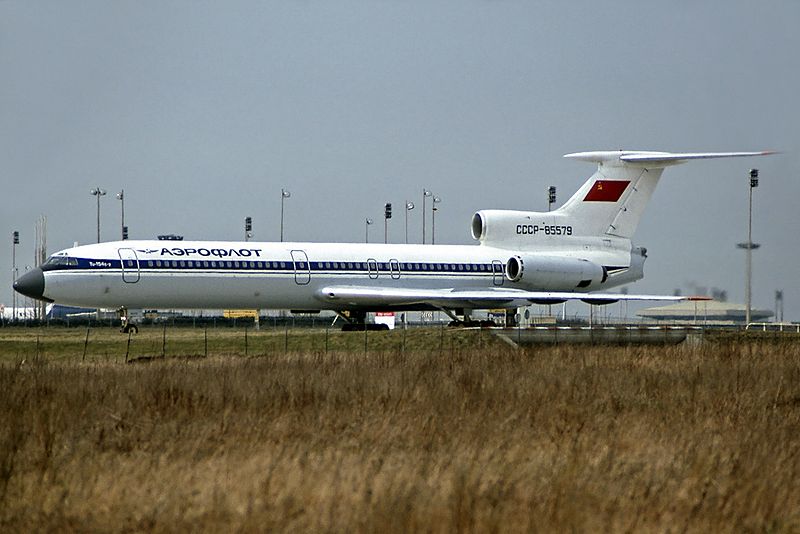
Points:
x=606 y=191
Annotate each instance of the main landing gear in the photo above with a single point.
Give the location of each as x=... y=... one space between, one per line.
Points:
x=356 y=321
x=127 y=326
x=466 y=321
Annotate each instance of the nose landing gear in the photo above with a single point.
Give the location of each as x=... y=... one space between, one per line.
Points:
x=127 y=325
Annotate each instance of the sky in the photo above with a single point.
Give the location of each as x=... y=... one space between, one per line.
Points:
x=203 y=111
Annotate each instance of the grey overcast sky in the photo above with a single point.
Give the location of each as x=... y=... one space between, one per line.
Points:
x=202 y=111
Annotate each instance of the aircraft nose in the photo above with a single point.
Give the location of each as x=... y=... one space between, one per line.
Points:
x=31 y=284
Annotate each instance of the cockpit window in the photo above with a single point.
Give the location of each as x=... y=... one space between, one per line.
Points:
x=61 y=261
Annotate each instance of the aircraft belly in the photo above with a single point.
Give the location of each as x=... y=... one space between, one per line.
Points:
x=177 y=290
x=107 y=289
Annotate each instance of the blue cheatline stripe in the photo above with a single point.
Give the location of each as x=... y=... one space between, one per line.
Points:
x=333 y=267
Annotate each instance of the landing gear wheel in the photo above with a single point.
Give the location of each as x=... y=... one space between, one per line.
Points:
x=129 y=327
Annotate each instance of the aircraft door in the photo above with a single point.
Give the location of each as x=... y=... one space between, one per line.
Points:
x=302 y=267
x=498 y=276
x=394 y=268
x=372 y=267
x=130 y=265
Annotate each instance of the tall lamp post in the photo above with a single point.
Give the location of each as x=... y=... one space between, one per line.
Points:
x=97 y=192
x=409 y=207
x=434 y=209
x=121 y=198
x=367 y=223
x=425 y=194
x=749 y=248
x=14 y=243
x=284 y=195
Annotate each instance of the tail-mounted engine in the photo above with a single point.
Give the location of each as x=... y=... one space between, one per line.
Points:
x=553 y=273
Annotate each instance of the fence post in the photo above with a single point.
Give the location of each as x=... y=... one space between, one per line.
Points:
x=85 y=344
x=128 y=347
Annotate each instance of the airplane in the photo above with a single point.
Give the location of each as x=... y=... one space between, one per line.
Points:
x=576 y=252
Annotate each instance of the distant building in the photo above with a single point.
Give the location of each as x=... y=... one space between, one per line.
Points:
x=704 y=311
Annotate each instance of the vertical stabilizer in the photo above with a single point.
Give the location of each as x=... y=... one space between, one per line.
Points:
x=613 y=199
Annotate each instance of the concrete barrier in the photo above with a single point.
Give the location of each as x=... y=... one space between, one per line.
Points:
x=598 y=335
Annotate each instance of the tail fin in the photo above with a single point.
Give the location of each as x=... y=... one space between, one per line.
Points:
x=612 y=201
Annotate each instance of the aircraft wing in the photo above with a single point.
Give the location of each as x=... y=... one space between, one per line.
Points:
x=477 y=298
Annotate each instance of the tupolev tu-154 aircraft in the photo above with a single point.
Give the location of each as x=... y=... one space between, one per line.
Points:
x=576 y=252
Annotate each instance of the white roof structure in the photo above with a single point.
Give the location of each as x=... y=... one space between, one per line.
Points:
x=704 y=311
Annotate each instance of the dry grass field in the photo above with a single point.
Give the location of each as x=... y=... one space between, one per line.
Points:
x=436 y=432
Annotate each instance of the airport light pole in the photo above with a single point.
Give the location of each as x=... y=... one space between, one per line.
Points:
x=97 y=192
x=425 y=194
x=409 y=207
x=779 y=305
x=551 y=197
x=248 y=228
x=367 y=223
x=749 y=248
x=434 y=209
x=284 y=195
x=14 y=243
x=121 y=198
x=387 y=214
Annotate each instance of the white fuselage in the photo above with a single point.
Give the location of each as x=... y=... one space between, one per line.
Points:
x=250 y=275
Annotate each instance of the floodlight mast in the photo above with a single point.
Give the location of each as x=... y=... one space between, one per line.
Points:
x=425 y=194
x=14 y=243
x=97 y=192
x=387 y=214
x=284 y=195
x=551 y=197
x=434 y=209
x=749 y=248
x=367 y=223
x=121 y=198
x=409 y=207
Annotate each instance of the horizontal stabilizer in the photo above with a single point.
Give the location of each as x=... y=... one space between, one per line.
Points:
x=657 y=159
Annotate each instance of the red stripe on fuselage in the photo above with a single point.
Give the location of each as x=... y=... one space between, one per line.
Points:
x=606 y=191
